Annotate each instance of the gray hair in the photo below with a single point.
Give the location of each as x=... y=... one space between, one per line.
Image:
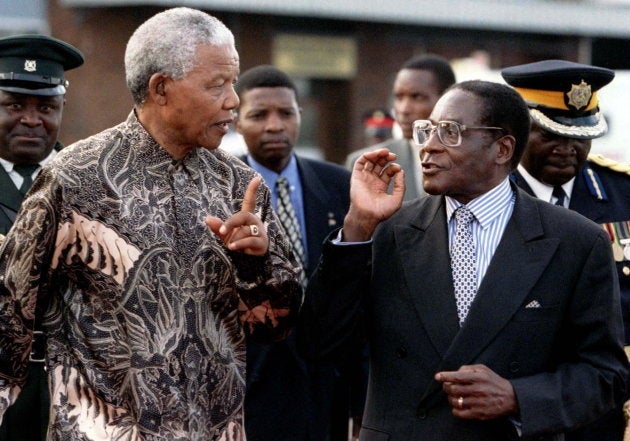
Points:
x=167 y=43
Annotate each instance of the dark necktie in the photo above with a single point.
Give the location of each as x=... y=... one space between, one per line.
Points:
x=26 y=171
x=288 y=219
x=559 y=194
x=463 y=262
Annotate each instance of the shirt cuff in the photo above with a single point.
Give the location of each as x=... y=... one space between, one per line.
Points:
x=339 y=240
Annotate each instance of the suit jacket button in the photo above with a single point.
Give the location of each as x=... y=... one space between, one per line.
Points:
x=625 y=270
x=401 y=352
x=515 y=366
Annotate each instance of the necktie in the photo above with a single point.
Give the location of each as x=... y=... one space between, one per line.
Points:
x=288 y=219
x=559 y=194
x=463 y=262
x=26 y=171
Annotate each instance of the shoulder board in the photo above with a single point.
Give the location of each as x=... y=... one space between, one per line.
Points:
x=602 y=161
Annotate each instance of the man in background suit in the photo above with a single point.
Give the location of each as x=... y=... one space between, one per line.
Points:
x=491 y=315
x=32 y=97
x=556 y=167
x=419 y=83
x=288 y=399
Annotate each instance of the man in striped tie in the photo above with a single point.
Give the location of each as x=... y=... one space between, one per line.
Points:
x=288 y=399
x=556 y=166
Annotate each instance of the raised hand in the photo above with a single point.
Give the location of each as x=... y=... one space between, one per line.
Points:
x=243 y=231
x=370 y=203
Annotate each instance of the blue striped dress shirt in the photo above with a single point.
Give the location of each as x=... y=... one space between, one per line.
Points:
x=492 y=211
x=292 y=174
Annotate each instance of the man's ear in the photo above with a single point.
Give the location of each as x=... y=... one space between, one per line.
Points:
x=506 y=146
x=158 y=87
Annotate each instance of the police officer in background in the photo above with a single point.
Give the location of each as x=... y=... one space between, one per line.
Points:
x=378 y=126
x=32 y=98
x=556 y=166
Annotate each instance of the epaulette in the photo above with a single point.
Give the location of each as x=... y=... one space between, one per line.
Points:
x=594 y=183
x=602 y=161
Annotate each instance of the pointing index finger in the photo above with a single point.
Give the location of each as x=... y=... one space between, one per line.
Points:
x=249 y=200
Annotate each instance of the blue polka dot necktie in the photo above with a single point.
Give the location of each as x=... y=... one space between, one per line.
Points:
x=464 y=262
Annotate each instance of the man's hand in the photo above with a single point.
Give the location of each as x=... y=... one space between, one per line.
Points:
x=477 y=392
x=369 y=202
x=243 y=231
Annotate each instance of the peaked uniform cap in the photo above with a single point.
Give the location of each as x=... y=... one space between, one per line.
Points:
x=562 y=95
x=35 y=64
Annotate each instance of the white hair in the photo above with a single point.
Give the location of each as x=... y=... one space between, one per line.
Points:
x=167 y=43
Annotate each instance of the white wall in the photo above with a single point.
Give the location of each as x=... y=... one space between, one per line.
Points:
x=614 y=101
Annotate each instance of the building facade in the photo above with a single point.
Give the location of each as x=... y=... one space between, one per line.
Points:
x=343 y=56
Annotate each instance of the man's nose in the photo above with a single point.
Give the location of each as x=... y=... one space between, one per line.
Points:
x=565 y=146
x=404 y=105
x=31 y=117
x=431 y=145
x=274 y=122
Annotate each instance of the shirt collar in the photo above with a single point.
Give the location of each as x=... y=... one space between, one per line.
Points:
x=544 y=191
x=270 y=176
x=8 y=166
x=487 y=206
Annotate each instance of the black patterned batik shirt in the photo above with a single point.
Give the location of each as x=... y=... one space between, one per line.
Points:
x=145 y=310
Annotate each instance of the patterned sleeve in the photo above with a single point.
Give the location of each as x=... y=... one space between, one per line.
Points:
x=23 y=268
x=269 y=288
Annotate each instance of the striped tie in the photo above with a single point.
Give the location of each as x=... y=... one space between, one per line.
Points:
x=288 y=219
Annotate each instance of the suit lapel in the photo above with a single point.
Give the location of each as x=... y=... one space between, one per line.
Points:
x=506 y=284
x=520 y=259
x=9 y=196
x=317 y=211
x=430 y=290
x=518 y=178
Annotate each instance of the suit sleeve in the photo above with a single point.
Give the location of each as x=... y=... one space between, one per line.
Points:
x=331 y=315
x=591 y=380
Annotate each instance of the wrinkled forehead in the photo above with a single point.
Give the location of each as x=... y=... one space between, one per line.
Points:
x=458 y=105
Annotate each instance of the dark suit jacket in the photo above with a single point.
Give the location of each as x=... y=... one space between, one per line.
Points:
x=11 y=198
x=563 y=356
x=288 y=399
x=404 y=159
x=602 y=195
x=10 y=201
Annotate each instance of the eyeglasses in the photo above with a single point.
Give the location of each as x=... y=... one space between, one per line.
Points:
x=449 y=132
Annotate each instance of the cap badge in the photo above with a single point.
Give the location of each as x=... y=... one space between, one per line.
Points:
x=30 y=65
x=579 y=95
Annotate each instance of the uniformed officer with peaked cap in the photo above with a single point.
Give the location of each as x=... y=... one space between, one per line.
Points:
x=562 y=95
x=556 y=166
x=32 y=97
x=35 y=64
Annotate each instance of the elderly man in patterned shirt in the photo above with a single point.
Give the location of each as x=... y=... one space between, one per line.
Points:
x=147 y=255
